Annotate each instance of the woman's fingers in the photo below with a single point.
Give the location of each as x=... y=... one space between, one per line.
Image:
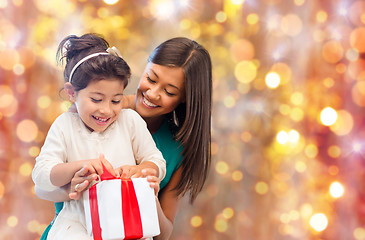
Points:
x=149 y=172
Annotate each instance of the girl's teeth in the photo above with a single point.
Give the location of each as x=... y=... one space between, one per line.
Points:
x=101 y=119
x=148 y=103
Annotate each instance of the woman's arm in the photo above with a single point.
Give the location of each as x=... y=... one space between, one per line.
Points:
x=167 y=206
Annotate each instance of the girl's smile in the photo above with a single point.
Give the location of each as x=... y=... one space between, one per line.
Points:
x=100 y=103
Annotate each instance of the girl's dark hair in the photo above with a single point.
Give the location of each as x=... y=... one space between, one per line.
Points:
x=194 y=116
x=73 y=49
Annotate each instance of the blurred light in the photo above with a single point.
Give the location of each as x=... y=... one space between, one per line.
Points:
x=221 y=167
x=237 y=176
x=221 y=17
x=25 y=169
x=229 y=101
x=242 y=49
x=321 y=16
x=2 y=190
x=333 y=170
x=306 y=210
x=334 y=151
x=328 y=82
x=328 y=116
x=3 y=3
x=44 y=102
x=18 y=69
x=344 y=123
x=356 y=147
x=252 y=18
x=352 y=54
x=332 y=51
x=300 y=166
x=162 y=9
x=196 y=221
x=318 y=222
x=337 y=190
x=291 y=25
x=246 y=136
x=297 y=114
x=228 y=213
x=297 y=98
x=27 y=130
x=237 y=2
x=12 y=221
x=359 y=233
x=111 y=2
x=342 y=11
x=220 y=225
x=284 y=109
x=214 y=147
x=357 y=39
x=311 y=150
x=341 y=68
x=261 y=188
x=358 y=93
x=184 y=3
x=293 y=136
x=282 y=137
x=34 y=151
x=299 y=2
x=245 y=71
x=272 y=80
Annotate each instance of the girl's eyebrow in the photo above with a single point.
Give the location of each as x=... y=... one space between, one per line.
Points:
x=99 y=93
x=171 y=85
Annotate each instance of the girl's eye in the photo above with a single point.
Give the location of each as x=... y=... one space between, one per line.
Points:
x=95 y=100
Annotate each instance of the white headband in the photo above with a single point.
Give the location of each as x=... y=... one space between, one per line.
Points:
x=113 y=50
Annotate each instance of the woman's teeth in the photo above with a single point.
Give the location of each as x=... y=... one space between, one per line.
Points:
x=148 y=103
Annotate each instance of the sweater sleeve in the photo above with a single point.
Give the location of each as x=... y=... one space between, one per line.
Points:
x=143 y=144
x=52 y=153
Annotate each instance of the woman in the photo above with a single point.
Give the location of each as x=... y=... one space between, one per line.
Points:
x=174 y=98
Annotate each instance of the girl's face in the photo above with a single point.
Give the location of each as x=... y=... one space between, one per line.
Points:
x=100 y=103
x=160 y=91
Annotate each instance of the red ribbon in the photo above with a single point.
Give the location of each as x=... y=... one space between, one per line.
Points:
x=130 y=209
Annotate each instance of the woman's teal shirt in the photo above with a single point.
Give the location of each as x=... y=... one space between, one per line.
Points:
x=171 y=151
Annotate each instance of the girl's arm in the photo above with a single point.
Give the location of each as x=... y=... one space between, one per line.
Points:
x=167 y=206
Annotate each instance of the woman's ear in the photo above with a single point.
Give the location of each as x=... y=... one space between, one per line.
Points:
x=70 y=90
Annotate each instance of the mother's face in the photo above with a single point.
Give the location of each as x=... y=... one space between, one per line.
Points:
x=160 y=91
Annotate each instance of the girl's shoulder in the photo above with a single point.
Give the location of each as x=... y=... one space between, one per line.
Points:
x=130 y=117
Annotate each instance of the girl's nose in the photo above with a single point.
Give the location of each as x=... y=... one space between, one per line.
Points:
x=105 y=108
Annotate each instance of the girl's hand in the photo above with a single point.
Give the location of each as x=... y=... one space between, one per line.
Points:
x=81 y=181
x=135 y=171
x=88 y=173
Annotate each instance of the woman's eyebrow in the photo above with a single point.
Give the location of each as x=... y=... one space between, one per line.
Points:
x=171 y=85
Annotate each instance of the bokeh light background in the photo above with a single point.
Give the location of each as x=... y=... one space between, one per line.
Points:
x=288 y=111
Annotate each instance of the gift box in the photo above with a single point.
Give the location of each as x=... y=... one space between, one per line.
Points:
x=120 y=209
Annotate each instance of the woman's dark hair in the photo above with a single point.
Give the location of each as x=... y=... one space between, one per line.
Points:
x=194 y=116
x=73 y=49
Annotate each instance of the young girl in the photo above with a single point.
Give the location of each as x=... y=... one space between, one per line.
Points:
x=97 y=133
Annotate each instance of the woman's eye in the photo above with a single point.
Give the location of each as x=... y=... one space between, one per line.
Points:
x=95 y=100
x=170 y=94
x=116 y=102
x=150 y=80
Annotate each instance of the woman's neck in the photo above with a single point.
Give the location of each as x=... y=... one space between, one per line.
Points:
x=153 y=124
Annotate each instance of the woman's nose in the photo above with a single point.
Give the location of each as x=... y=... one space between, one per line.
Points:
x=152 y=93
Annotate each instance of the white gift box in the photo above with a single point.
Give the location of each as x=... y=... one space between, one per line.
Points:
x=121 y=209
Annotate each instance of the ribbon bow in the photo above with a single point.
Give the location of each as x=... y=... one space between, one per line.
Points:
x=114 y=51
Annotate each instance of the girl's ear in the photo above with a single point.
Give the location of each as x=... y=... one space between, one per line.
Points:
x=70 y=90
